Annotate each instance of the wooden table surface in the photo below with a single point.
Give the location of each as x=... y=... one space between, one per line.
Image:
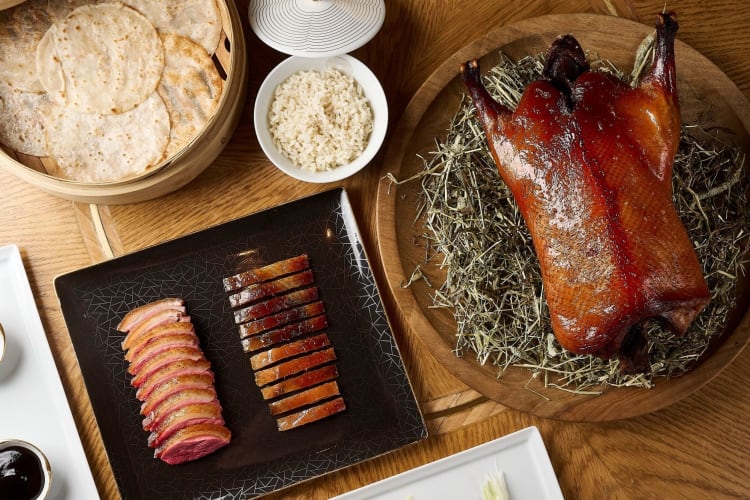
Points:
x=697 y=448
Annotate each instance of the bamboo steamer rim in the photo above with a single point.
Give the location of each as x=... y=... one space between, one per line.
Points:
x=184 y=165
x=7 y=4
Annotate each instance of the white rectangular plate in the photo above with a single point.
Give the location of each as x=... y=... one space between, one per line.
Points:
x=32 y=400
x=521 y=457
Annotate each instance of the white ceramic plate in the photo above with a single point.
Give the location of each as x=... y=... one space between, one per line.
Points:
x=521 y=457
x=346 y=64
x=32 y=399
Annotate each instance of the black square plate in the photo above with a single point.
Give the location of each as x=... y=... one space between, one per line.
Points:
x=382 y=413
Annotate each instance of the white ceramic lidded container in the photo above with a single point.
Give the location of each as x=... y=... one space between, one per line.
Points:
x=318 y=34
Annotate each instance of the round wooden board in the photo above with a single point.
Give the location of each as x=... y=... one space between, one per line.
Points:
x=708 y=97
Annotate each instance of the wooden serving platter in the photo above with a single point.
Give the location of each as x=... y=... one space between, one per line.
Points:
x=708 y=97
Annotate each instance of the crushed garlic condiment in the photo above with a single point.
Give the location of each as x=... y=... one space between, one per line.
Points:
x=320 y=120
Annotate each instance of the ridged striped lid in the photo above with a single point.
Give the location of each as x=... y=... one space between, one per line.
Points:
x=316 y=28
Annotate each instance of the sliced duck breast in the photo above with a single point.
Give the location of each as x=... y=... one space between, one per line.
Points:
x=177 y=401
x=174 y=385
x=167 y=372
x=192 y=443
x=164 y=358
x=161 y=317
x=192 y=414
x=146 y=311
x=160 y=345
x=172 y=328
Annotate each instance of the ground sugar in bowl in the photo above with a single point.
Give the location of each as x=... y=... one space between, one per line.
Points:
x=76 y=123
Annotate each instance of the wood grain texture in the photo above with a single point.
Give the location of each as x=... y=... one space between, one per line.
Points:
x=696 y=448
x=707 y=97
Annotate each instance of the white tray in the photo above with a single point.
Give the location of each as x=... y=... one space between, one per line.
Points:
x=33 y=406
x=521 y=457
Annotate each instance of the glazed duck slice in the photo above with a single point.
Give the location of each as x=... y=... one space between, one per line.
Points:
x=284 y=333
x=312 y=414
x=281 y=318
x=265 y=273
x=589 y=161
x=302 y=381
x=304 y=398
x=288 y=350
x=275 y=304
x=293 y=366
x=266 y=289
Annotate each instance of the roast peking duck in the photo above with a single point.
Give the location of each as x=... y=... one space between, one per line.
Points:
x=588 y=159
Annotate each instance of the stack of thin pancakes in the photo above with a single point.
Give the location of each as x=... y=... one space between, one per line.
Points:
x=107 y=89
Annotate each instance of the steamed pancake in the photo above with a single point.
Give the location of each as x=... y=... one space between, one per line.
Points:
x=198 y=20
x=104 y=148
x=104 y=58
x=191 y=88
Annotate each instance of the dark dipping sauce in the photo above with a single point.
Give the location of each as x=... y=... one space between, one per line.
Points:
x=21 y=474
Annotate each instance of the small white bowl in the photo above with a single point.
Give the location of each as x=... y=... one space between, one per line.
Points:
x=41 y=459
x=2 y=342
x=346 y=64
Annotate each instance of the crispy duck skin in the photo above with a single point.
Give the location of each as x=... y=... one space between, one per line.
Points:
x=311 y=414
x=293 y=366
x=589 y=161
x=283 y=334
x=304 y=398
x=282 y=318
x=269 y=288
x=302 y=381
x=265 y=273
x=275 y=304
x=285 y=351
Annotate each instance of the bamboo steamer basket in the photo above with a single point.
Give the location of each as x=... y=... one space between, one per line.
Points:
x=177 y=170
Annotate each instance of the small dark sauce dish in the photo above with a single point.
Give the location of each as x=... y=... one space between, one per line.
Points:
x=25 y=473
